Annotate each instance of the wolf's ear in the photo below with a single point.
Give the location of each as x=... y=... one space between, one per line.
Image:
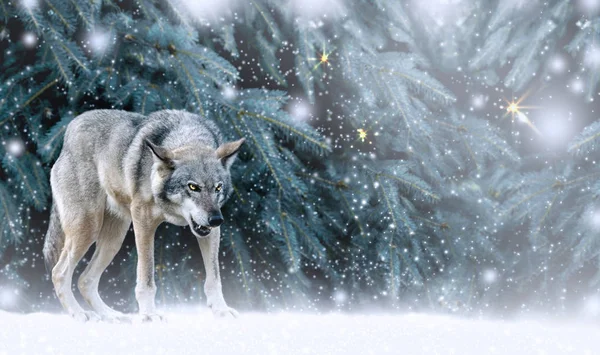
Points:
x=227 y=152
x=160 y=154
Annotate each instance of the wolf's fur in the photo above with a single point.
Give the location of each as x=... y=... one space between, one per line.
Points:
x=116 y=167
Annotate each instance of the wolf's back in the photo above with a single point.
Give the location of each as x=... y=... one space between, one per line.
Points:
x=55 y=240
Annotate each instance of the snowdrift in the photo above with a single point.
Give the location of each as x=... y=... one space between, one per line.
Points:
x=289 y=333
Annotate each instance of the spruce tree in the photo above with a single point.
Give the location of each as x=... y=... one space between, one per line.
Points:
x=431 y=185
x=409 y=170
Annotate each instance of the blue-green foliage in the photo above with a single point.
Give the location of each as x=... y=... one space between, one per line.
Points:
x=584 y=45
x=28 y=178
x=587 y=141
x=12 y=226
x=144 y=62
x=562 y=240
x=434 y=202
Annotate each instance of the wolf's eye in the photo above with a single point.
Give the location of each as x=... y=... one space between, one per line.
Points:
x=194 y=187
x=219 y=187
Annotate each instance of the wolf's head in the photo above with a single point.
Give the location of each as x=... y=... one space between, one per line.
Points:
x=191 y=184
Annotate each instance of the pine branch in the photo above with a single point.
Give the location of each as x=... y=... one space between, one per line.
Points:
x=419 y=83
x=67 y=24
x=268 y=20
x=38 y=93
x=11 y=230
x=587 y=141
x=285 y=126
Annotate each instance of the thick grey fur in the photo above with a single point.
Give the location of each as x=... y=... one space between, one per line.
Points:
x=116 y=167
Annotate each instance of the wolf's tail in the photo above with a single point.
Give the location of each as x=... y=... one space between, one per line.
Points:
x=55 y=240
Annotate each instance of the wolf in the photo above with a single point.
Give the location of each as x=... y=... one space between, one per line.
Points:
x=119 y=167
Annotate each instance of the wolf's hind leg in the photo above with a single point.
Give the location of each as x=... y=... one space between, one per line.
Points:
x=108 y=244
x=78 y=240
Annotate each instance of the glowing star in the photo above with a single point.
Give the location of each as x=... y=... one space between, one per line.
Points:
x=323 y=58
x=362 y=134
x=514 y=109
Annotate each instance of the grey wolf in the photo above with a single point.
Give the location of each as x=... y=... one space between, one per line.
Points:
x=118 y=167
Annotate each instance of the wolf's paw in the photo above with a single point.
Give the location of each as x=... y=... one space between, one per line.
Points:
x=224 y=312
x=86 y=316
x=146 y=318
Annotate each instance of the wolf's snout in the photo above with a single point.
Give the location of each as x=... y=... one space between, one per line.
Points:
x=215 y=220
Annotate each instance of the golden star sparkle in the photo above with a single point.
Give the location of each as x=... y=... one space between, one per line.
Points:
x=362 y=134
x=323 y=58
x=514 y=109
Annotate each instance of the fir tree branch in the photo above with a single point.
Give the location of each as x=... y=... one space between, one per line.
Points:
x=73 y=56
x=148 y=12
x=58 y=134
x=546 y=214
x=60 y=16
x=355 y=217
x=270 y=60
x=308 y=239
x=415 y=81
x=391 y=209
x=92 y=81
x=123 y=98
x=38 y=93
x=25 y=181
x=63 y=71
x=288 y=243
x=324 y=146
x=412 y=185
x=206 y=59
x=82 y=16
x=195 y=89
x=581 y=179
x=262 y=153
x=240 y=261
x=426 y=220
x=240 y=134
x=29 y=11
x=555 y=185
x=470 y=151
x=4 y=10
x=461 y=132
x=392 y=276
x=5 y=99
x=406 y=262
x=399 y=107
x=338 y=185
x=584 y=141
x=267 y=21
x=5 y=206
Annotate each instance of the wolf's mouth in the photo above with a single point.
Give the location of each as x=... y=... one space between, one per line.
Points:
x=202 y=230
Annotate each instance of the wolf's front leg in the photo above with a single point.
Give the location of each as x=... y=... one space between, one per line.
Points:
x=145 y=288
x=212 y=286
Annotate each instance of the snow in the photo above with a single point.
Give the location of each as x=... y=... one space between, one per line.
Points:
x=293 y=333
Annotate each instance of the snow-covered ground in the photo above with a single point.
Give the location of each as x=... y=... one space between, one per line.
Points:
x=289 y=333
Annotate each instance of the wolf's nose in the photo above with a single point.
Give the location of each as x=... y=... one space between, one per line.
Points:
x=215 y=220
